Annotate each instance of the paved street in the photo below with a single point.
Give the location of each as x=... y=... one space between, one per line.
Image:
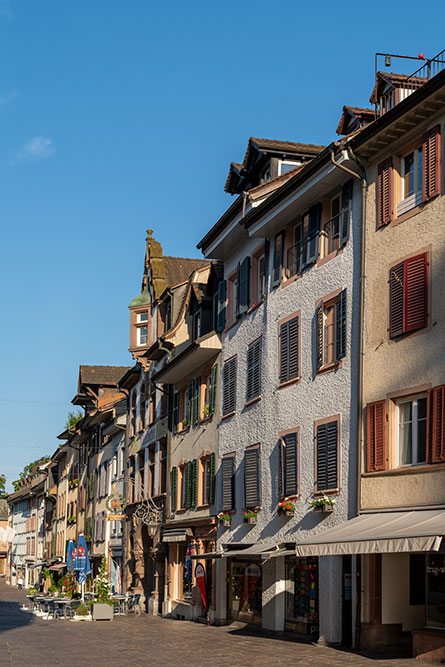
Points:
x=131 y=641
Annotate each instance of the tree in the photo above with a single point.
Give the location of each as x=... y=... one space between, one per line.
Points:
x=28 y=470
x=73 y=418
x=3 y=493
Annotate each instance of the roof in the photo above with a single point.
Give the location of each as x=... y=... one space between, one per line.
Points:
x=179 y=269
x=142 y=299
x=278 y=145
x=363 y=115
x=104 y=375
x=394 y=79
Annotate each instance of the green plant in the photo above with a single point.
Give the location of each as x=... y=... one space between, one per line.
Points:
x=3 y=493
x=53 y=588
x=321 y=502
x=286 y=505
x=73 y=418
x=250 y=514
x=28 y=470
x=102 y=584
x=185 y=422
x=32 y=590
x=207 y=410
x=82 y=610
x=223 y=516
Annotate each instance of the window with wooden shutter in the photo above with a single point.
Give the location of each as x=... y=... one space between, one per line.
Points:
x=195 y=483
x=327 y=451
x=175 y=416
x=212 y=476
x=341 y=326
x=408 y=295
x=221 y=306
x=331 y=330
x=196 y=401
x=384 y=193
x=189 y=402
x=436 y=425
x=289 y=458
x=278 y=251
x=431 y=163
x=228 y=483
x=243 y=286
x=174 y=488
x=188 y=484
x=289 y=349
x=253 y=370
x=229 y=386
x=213 y=385
x=312 y=244
x=252 y=477
x=376 y=454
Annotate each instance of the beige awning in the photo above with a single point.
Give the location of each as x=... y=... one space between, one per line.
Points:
x=264 y=550
x=177 y=534
x=382 y=532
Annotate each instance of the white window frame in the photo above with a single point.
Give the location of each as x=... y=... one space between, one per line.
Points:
x=290 y=162
x=140 y=343
x=142 y=319
x=414 y=420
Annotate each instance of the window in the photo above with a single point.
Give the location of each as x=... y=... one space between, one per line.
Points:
x=197 y=325
x=289 y=464
x=152 y=407
x=176 y=402
x=331 y=330
x=210 y=392
x=408 y=295
x=243 y=286
x=193 y=402
x=221 y=306
x=142 y=335
x=183 y=470
x=289 y=349
x=205 y=481
x=228 y=483
x=336 y=230
x=151 y=471
x=142 y=407
x=229 y=386
x=305 y=249
x=278 y=250
x=142 y=317
x=287 y=165
x=232 y=298
x=252 y=477
x=163 y=466
x=133 y=414
x=327 y=454
x=258 y=274
x=411 y=431
x=253 y=370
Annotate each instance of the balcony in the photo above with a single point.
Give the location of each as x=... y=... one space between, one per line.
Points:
x=202 y=351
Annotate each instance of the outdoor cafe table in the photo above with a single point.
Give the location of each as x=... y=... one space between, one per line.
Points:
x=63 y=602
x=121 y=600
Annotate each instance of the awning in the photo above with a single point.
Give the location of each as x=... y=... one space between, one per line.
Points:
x=59 y=566
x=177 y=534
x=200 y=352
x=44 y=562
x=382 y=532
x=263 y=551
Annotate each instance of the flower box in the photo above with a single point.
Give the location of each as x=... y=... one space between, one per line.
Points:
x=327 y=509
x=251 y=519
x=225 y=523
x=102 y=612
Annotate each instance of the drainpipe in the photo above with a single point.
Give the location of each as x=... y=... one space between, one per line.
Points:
x=245 y=198
x=362 y=178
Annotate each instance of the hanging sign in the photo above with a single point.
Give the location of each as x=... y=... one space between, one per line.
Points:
x=251 y=577
x=200 y=577
x=115 y=504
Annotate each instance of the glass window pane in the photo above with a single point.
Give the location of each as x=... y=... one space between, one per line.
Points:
x=435 y=590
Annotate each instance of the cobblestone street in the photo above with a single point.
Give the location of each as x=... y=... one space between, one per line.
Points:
x=26 y=639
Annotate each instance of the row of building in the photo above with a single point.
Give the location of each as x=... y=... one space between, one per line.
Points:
x=283 y=424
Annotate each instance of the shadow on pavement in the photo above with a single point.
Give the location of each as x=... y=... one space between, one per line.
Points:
x=12 y=616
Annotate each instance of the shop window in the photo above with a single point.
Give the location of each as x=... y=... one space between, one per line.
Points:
x=246 y=589
x=302 y=593
x=435 y=610
x=185 y=571
x=411 y=431
x=417 y=583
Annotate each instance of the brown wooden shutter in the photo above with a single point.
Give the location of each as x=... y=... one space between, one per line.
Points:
x=436 y=425
x=376 y=436
x=227 y=483
x=384 y=193
x=396 y=298
x=416 y=291
x=252 y=477
x=431 y=163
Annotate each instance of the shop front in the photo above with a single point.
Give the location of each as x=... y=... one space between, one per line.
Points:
x=245 y=591
x=302 y=595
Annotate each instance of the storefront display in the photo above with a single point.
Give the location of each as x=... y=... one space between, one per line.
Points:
x=246 y=591
x=435 y=590
x=302 y=595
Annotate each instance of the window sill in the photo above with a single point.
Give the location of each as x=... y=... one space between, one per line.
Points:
x=290 y=280
x=205 y=420
x=407 y=470
x=252 y=401
x=328 y=492
x=289 y=383
x=254 y=306
x=292 y=497
x=205 y=506
x=328 y=368
x=331 y=255
x=228 y=415
x=231 y=325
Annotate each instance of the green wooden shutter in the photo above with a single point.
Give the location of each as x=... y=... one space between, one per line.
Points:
x=195 y=482
x=174 y=489
x=196 y=401
x=244 y=283
x=212 y=475
x=290 y=464
x=319 y=335
x=229 y=386
x=345 y=215
x=227 y=483
x=252 y=477
x=213 y=381
x=253 y=370
x=189 y=402
x=221 y=306
x=341 y=325
x=175 y=411
x=313 y=234
x=278 y=259
x=327 y=456
x=188 y=484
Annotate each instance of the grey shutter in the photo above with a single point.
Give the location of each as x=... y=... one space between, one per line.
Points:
x=252 y=477
x=345 y=215
x=188 y=484
x=227 y=477
x=221 y=306
x=341 y=325
x=396 y=299
x=243 y=285
x=319 y=335
x=278 y=259
x=213 y=381
x=174 y=489
x=196 y=400
x=195 y=472
x=189 y=402
x=175 y=411
x=229 y=386
x=327 y=456
x=212 y=474
x=253 y=370
x=290 y=464
x=313 y=233
x=289 y=352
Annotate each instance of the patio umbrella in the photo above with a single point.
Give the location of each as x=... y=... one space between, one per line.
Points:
x=70 y=556
x=82 y=563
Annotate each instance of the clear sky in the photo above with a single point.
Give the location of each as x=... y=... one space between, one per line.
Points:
x=116 y=116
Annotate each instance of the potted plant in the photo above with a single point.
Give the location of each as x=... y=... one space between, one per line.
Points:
x=323 y=504
x=286 y=507
x=82 y=613
x=224 y=519
x=250 y=516
x=185 y=422
x=102 y=607
x=207 y=410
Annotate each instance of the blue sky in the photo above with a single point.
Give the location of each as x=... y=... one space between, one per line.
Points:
x=118 y=116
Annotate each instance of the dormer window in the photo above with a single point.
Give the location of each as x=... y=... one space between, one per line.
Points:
x=265 y=175
x=197 y=325
x=286 y=165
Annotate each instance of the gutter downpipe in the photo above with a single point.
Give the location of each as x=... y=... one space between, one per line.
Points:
x=364 y=184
